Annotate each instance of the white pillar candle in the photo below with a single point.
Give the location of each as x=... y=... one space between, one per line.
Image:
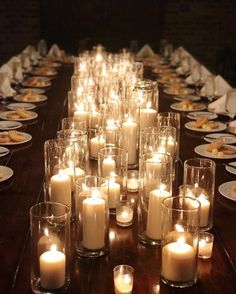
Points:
x=152 y=173
x=52 y=269
x=113 y=194
x=71 y=172
x=108 y=166
x=178 y=261
x=94 y=119
x=61 y=189
x=132 y=184
x=124 y=215
x=123 y=284
x=81 y=115
x=148 y=117
x=154 y=219
x=204 y=210
x=46 y=242
x=129 y=135
x=96 y=143
x=94 y=220
x=170 y=146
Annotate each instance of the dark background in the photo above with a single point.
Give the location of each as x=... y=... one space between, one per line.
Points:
x=207 y=28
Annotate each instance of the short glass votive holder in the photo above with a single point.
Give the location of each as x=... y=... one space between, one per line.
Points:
x=96 y=142
x=132 y=181
x=199 y=182
x=92 y=216
x=73 y=123
x=180 y=241
x=124 y=213
x=50 y=247
x=123 y=279
x=205 y=245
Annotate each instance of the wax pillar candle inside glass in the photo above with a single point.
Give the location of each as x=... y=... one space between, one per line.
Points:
x=50 y=239
x=148 y=116
x=199 y=178
x=156 y=171
x=92 y=216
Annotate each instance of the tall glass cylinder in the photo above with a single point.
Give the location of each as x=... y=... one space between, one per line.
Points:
x=199 y=182
x=113 y=165
x=50 y=247
x=92 y=216
x=180 y=241
x=156 y=178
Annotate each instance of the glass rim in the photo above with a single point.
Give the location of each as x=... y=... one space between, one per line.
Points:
x=181 y=209
x=83 y=179
x=37 y=205
x=211 y=163
x=122 y=267
x=122 y=150
x=152 y=160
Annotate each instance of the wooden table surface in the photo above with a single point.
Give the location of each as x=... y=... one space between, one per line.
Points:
x=25 y=188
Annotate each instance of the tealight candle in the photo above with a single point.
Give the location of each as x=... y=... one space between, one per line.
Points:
x=123 y=279
x=205 y=245
x=178 y=261
x=124 y=214
x=133 y=180
x=52 y=269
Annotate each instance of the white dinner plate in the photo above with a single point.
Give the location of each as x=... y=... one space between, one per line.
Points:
x=176 y=106
x=188 y=91
x=40 y=98
x=34 y=90
x=46 y=83
x=4 y=114
x=226 y=138
x=231 y=169
x=7 y=125
x=6 y=173
x=189 y=97
x=3 y=151
x=28 y=137
x=49 y=73
x=202 y=150
x=49 y=64
x=25 y=106
x=200 y=114
x=221 y=127
x=226 y=190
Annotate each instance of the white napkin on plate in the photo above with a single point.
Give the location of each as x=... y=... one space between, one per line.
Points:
x=218 y=106
x=15 y=64
x=221 y=87
x=145 y=51
x=5 y=68
x=55 y=52
x=25 y=61
x=5 y=86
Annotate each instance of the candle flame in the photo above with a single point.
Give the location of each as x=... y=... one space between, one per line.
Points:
x=96 y=194
x=46 y=232
x=179 y=228
x=53 y=248
x=149 y=104
x=162 y=187
x=127 y=279
x=181 y=241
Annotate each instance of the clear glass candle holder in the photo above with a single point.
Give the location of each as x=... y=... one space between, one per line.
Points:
x=96 y=142
x=205 y=245
x=199 y=182
x=92 y=216
x=124 y=213
x=72 y=123
x=113 y=165
x=111 y=134
x=133 y=181
x=156 y=176
x=123 y=279
x=50 y=247
x=180 y=241
x=171 y=119
x=149 y=140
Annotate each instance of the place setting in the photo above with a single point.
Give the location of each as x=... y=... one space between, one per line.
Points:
x=187 y=106
x=228 y=190
x=202 y=114
x=204 y=125
x=9 y=125
x=226 y=138
x=231 y=167
x=44 y=71
x=14 y=137
x=30 y=96
x=3 y=151
x=23 y=105
x=18 y=115
x=37 y=82
x=5 y=173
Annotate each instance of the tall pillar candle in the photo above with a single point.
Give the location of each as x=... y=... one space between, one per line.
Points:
x=94 y=219
x=148 y=117
x=108 y=166
x=129 y=135
x=61 y=189
x=96 y=143
x=154 y=220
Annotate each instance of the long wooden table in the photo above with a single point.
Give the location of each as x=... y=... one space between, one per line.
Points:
x=25 y=188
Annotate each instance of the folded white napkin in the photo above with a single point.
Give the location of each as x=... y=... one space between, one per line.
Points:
x=15 y=64
x=145 y=51
x=25 y=61
x=7 y=70
x=5 y=86
x=55 y=52
x=218 y=106
x=204 y=73
x=42 y=47
x=221 y=87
